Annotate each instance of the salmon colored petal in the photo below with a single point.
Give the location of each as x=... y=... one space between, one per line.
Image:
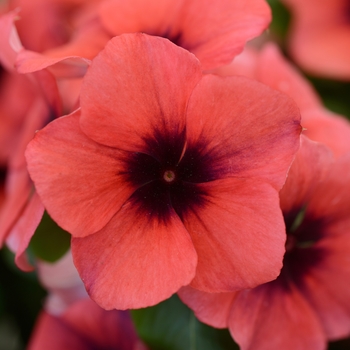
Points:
x=275 y=317
x=217 y=31
x=308 y=170
x=70 y=60
x=80 y=195
x=274 y=71
x=135 y=261
x=259 y=128
x=325 y=286
x=50 y=331
x=331 y=199
x=319 y=37
x=328 y=128
x=68 y=66
x=20 y=236
x=18 y=184
x=88 y=40
x=17 y=192
x=10 y=44
x=214 y=32
x=239 y=235
x=210 y=308
x=108 y=329
x=151 y=17
x=84 y=326
x=137 y=85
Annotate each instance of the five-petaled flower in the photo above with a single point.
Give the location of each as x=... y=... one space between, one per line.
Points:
x=167 y=177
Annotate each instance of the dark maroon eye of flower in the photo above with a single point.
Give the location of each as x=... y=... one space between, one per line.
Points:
x=302 y=253
x=346 y=11
x=168 y=174
x=3 y=173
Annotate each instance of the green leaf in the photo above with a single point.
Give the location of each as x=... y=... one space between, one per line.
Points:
x=171 y=325
x=49 y=242
x=280 y=20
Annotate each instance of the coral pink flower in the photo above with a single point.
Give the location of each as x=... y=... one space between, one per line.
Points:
x=20 y=117
x=162 y=176
x=85 y=326
x=309 y=302
x=320 y=36
x=269 y=67
x=214 y=31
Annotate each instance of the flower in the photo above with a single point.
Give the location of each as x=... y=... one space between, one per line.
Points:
x=162 y=176
x=320 y=35
x=214 y=31
x=85 y=326
x=309 y=301
x=65 y=35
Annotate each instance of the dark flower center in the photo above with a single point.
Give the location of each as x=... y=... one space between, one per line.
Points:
x=346 y=12
x=168 y=174
x=3 y=174
x=302 y=253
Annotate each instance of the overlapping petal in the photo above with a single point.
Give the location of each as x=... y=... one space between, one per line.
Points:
x=210 y=308
x=61 y=161
x=258 y=128
x=301 y=182
x=133 y=89
x=136 y=260
x=234 y=250
x=275 y=316
x=214 y=32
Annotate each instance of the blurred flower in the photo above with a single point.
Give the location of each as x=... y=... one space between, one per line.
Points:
x=155 y=161
x=21 y=117
x=85 y=326
x=320 y=36
x=214 y=32
x=62 y=281
x=309 y=302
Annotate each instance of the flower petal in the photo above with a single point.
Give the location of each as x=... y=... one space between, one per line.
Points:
x=248 y=129
x=214 y=31
x=76 y=178
x=274 y=71
x=308 y=170
x=137 y=85
x=210 y=308
x=331 y=129
x=135 y=261
x=20 y=236
x=10 y=44
x=238 y=234
x=325 y=286
x=66 y=66
x=273 y=316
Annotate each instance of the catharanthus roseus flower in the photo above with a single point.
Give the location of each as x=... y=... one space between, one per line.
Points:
x=319 y=36
x=214 y=31
x=166 y=177
x=85 y=326
x=309 y=302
